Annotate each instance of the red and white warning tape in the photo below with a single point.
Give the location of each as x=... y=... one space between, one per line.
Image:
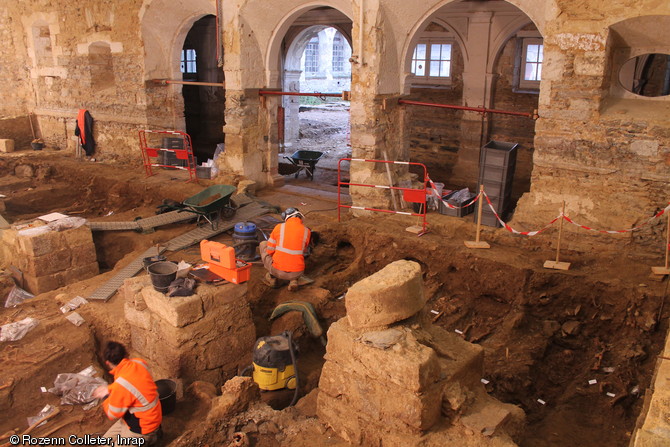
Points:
x=512 y=230
x=650 y=220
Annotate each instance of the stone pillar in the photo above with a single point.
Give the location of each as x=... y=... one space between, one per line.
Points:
x=391 y=378
x=291 y=108
x=206 y=336
x=374 y=128
x=243 y=155
x=477 y=84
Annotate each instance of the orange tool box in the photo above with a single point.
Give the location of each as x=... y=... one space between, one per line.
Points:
x=222 y=262
x=218 y=254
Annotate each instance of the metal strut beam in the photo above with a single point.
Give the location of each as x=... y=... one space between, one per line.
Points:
x=171 y=81
x=473 y=109
x=345 y=95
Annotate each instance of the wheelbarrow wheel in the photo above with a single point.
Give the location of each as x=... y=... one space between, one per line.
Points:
x=227 y=212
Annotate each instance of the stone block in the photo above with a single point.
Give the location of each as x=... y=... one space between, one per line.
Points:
x=78 y=236
x=409 y=364
x=132 y=288
x=39 y=243
x=177 y=311
x=76 y=274
x=6 y=145
x=44 y=265
x=137 y=318
x=227 y=351
x=392 y=294
x=41 y=284
x=82 y=254
x=370 y=399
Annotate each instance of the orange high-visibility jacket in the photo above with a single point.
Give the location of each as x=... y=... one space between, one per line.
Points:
x=287 y=245
x=134 y=397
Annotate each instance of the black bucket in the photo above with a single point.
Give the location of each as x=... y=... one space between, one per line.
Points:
x=152 y=259
x=162 y=274
x=167 y=393
x=245 y=241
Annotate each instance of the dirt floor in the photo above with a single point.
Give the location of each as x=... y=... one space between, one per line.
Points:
x=323 y=128
x=546 y=333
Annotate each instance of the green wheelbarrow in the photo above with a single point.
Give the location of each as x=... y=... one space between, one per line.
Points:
x=211 y=204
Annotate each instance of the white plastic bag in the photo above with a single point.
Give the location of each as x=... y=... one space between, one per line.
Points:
x=75 y=318
x=17 y=330
x=73 y=304
x=76 y=388
x=16 y=296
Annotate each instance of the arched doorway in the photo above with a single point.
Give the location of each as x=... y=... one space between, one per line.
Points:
x=491 y=60
x=316 y=60
x=204 y=105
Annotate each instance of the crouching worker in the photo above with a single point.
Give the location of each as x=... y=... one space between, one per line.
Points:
x=132 y=397
x=283 y=254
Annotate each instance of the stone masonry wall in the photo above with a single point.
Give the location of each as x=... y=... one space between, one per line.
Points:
x=51 y=259
x=206 y=336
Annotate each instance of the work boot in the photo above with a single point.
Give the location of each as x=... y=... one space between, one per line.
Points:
x=270 y=280
x=293 y=285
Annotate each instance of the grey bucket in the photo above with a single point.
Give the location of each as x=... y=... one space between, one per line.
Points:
x=162 y=274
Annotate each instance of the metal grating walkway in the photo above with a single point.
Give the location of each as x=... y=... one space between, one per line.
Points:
x=106 y=291
x=194 y=236
x=245 y=213
x=144 y=224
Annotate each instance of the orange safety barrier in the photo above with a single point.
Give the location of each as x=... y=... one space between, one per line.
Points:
x=178 y=146
x=413 y=195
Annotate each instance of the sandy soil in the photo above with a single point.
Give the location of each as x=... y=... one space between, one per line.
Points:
x=546 y=333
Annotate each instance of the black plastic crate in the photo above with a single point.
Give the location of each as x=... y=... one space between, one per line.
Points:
x=489 y=219
x=456 y=212
x=499 y=153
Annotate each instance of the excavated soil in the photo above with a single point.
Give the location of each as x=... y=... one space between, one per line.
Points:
x=545 y=333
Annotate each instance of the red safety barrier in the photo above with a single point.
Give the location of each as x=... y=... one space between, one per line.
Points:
x=154 y=155
x=413 y=195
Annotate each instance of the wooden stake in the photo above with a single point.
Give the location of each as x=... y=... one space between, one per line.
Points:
x=477 y=243
x=388 y=173
x=664 y=270
x=558 y=265
x=30 y=118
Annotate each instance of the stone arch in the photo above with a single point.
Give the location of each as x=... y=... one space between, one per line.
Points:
x=162 y=53
x=162 y=44
x=274 y=56
x=538 y=12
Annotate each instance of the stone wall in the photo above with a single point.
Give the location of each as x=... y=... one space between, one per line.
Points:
x=206 y=336
x=50 y=258
x=603 y=151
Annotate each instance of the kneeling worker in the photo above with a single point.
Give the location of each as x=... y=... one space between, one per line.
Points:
x=283 y=254
x=132 y=396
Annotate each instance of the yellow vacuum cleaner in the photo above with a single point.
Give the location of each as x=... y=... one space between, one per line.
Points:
x=274 y=363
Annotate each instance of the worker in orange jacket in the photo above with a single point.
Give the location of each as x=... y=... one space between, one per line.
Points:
x=283 y=254
x=132 y=397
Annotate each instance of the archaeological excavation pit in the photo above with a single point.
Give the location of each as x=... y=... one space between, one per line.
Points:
x=576 y=352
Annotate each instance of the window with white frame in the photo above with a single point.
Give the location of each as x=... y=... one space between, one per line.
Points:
x=530 y=58
x=188 y=63
x=431 y=62
x=312 y=56
x=338 y=53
